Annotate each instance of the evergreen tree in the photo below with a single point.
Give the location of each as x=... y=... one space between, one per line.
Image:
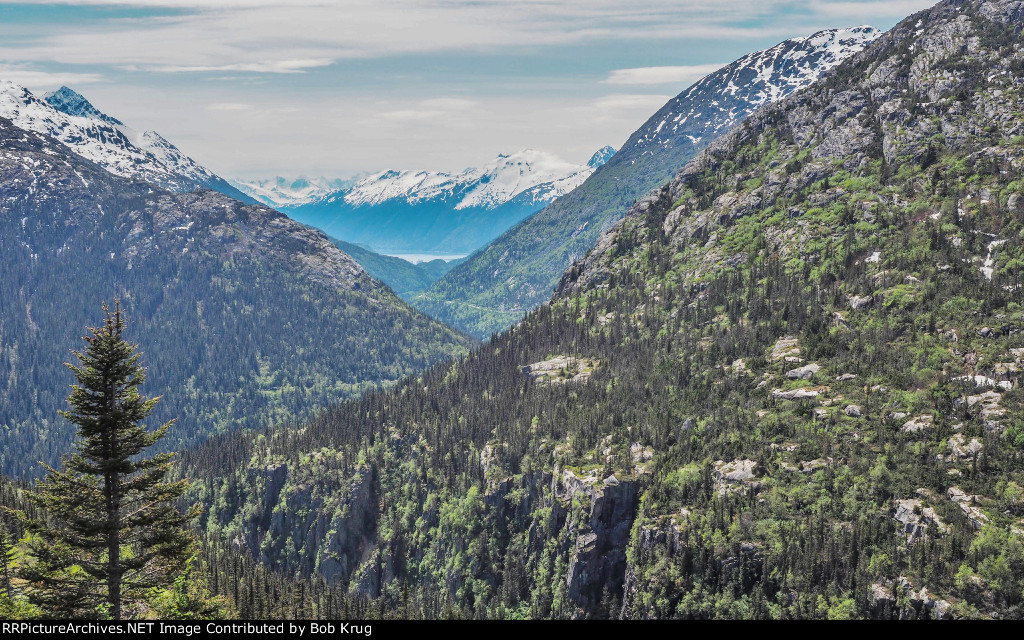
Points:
x=6 y=558
x=112 y=529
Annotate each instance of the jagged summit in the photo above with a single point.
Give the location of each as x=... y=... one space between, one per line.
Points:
x=72 y=120
x=720 y=100
x=538 y=175
x=603 y=155
x=416 y=211
x=71 y=102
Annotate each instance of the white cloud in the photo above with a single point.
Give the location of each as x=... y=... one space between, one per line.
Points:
x=450 y=104
x=35 y=79
x=279 y=66
x=230 y=106
x=288 y=37
x=438 y=111
x=683 y=76
x=255 y=112
x=880 y=9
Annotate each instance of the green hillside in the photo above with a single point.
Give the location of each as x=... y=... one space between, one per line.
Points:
x=248 y=319
x=784 y=387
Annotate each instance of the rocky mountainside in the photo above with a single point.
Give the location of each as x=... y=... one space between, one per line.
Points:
x=72 y=120
x=248 y=318
x=786 y=385
x=438 y=212
x=518 y=271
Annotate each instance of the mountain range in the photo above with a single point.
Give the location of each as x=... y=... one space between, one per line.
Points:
x=518 y=270
x=434 y=212
x=284 y=194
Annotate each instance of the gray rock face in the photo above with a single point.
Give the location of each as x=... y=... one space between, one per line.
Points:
x=920 y=604
x=967 y=504
x=915 y=519
x=859 y=302
x=786 y=346
x=794 y=394
x=598 y=559
x=852 y=410
x=881 y=597
x=332 y=539
x=961 y=448
x=805 y=372
x=919 y=423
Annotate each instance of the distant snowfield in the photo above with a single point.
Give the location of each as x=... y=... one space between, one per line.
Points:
x=527 y=174
x=417 y=258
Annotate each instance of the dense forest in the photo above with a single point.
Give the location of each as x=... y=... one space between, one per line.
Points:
x=784 y=386
x=248 y=319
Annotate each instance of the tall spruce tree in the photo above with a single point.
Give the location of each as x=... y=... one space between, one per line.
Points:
x=6 y=557
x=112 y=530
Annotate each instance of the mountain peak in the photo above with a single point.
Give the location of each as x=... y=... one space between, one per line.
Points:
x=72 y=103
x=71 y=119
x=601 y=156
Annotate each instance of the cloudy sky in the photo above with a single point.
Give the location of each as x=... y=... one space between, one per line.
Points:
x=254 y=88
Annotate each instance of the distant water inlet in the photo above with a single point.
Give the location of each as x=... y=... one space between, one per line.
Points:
x=417 y=258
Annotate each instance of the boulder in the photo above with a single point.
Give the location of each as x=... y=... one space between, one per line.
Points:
x=859 y=302
x=785 y=346
x=805 y=372
x=852 y=410
x=919 y=423
x=794 y=394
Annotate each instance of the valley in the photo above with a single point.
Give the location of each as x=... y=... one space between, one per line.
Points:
x=762 y=362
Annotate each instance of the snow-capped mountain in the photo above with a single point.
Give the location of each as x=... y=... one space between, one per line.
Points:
x=600 y=157
x=71 y=119
x=288 y=193
x=518 y=270
x=543 y=175
x=534 y=175
x=436 y=211
x=722 y=99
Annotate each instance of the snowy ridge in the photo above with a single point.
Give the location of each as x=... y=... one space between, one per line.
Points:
x=287 y=193
x=74 y=121
x=722 y=99
x=535 y=176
